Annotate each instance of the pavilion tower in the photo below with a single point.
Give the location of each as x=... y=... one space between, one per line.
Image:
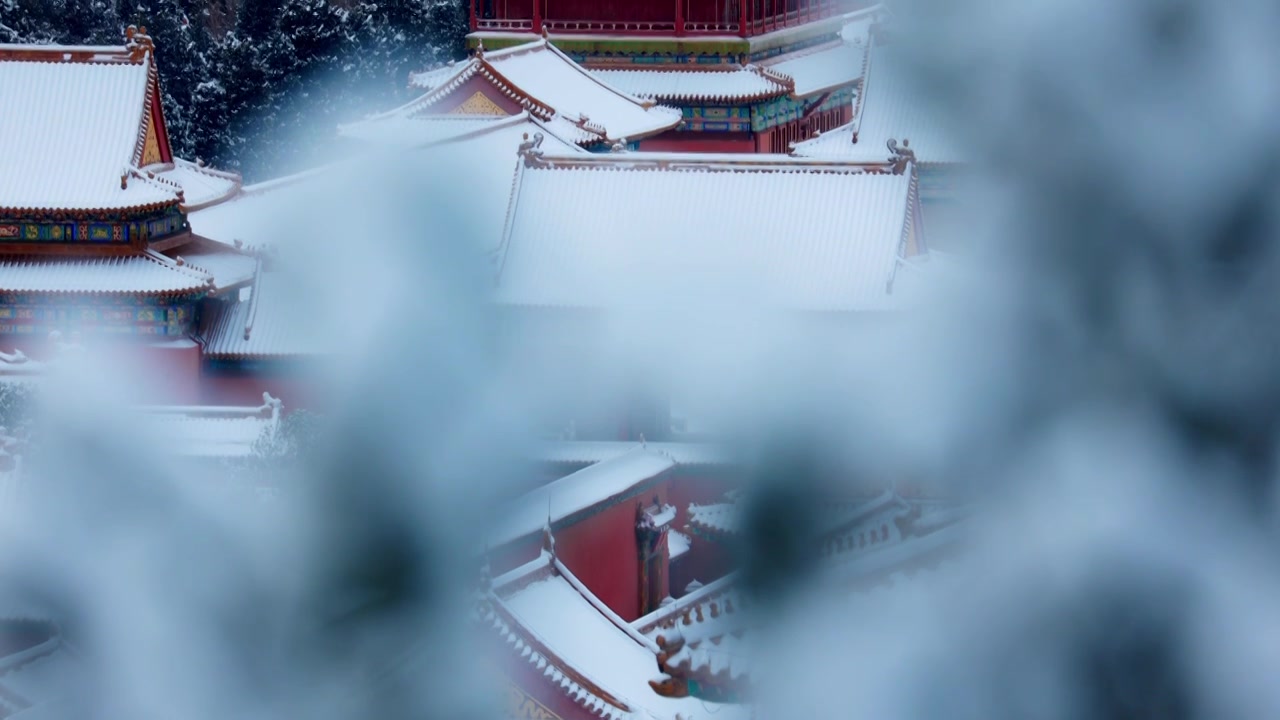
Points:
x=747 y=75
x=94 y=237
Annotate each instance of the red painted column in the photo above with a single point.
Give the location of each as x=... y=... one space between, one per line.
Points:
x=679 y=18
x=537 y=16
x=475 y=12
x=742 y=18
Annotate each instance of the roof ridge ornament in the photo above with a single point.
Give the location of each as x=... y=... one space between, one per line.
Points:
x=480 y=48
x=138 y=42
x=531 y=150
x=900 y=155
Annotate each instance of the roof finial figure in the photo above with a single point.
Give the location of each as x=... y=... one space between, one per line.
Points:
x=900 y=156
x=530 y=149
x=480 y=49
x=545 y=34
x=273 y=404
x=138 y=42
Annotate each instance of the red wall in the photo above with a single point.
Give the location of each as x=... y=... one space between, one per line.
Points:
x=604 y=552
x=708 y=142
x=247 y=389
x=163 y=373
x=176 y=370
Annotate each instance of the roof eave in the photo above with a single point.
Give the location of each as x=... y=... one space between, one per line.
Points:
x=74 y=211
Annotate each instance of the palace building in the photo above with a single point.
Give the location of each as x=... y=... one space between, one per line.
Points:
x=750 y=76
x=94 y=236
x=761 y=155
x=586 y=588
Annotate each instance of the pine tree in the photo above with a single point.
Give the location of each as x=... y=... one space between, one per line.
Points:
x=259 y=20
x=255 y=90
x=71 y=22
x=396 y=37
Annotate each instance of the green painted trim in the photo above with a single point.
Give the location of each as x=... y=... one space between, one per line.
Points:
x=68 y=228
x=793 y=36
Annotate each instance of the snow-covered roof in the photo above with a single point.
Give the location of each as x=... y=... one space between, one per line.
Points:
x=579 y=491
x=890 y=107
x=677 y=544
x=202 y=186
x=823 y=68
x=397 y=129
x=212 y=431
x=594 y=451
x=552 y=612
x=145 y=273
x=70 y=130
x=227 y=267
x=483 y=160
x=739 y=84
x=433 y=78
x=549 y=84
x=716 y=518
x=249 y=220
x=271 y=323
x=624 y=228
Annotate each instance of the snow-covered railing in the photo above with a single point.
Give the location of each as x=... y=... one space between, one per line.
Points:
x=647 y=623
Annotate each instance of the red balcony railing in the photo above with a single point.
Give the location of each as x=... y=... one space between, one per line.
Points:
x=742 y=18
x=635 y=27
x=507 y=24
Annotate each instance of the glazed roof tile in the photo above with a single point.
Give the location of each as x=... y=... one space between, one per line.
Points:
x=483 y=159
x=621 y=228
x=740 y=84
x=556 y=88
x=69 y=131
x=146 y=273
x=270 y=323
x=202 y=186
x=822 y=69
x=564 y=621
